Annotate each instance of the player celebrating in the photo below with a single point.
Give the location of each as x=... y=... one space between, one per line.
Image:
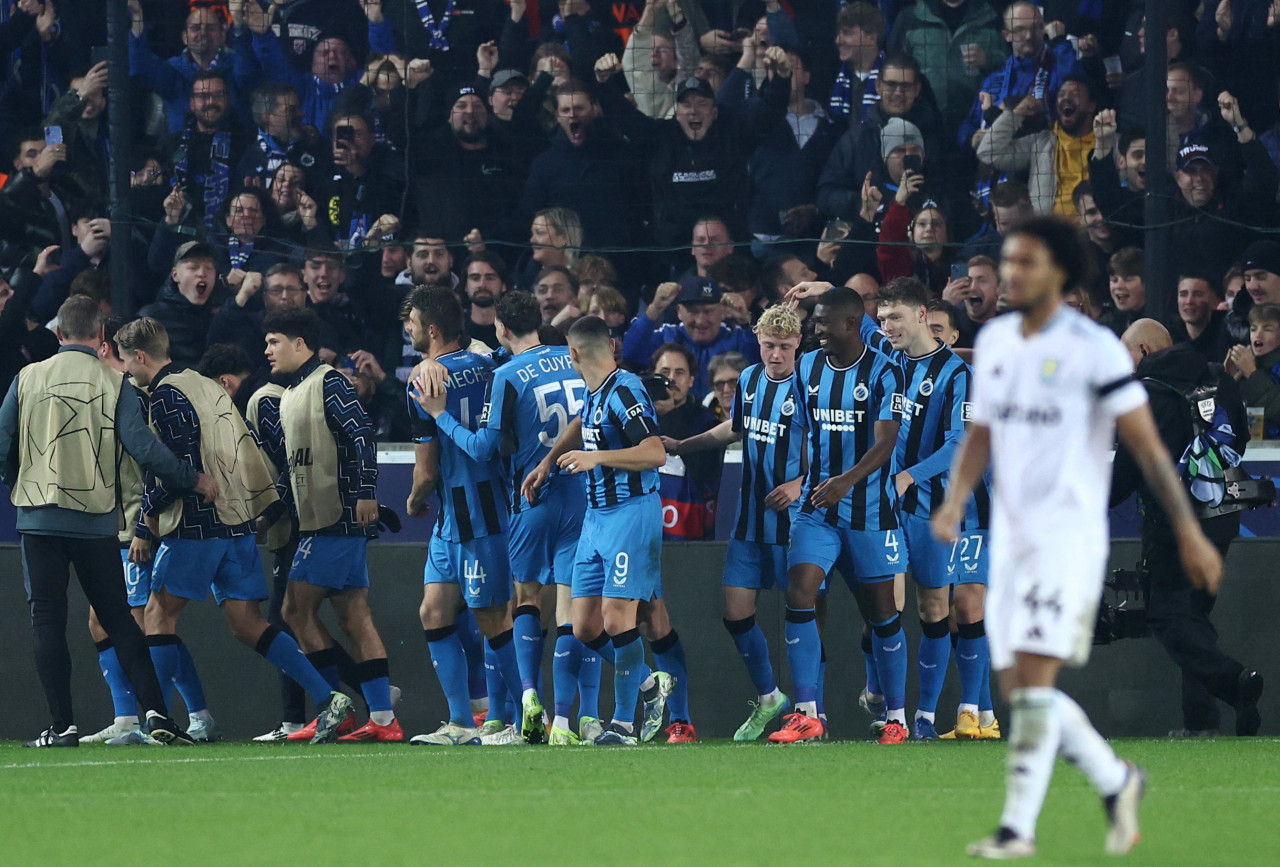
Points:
x=615 y=442
x=766 y=417
x=467 y=558
x=332 y=485
x=204 y=545
x=853 y=405
x=530 y=402
x=937 y=406
x=1051 y=388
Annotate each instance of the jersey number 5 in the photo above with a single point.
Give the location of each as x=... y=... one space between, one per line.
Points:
x=550 y=408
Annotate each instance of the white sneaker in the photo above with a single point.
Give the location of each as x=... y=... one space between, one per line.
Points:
x=133 y=738
x=396 y=693
x=507 y=736
x=122 y=726
x=1122 y=810
x=1001 y=847
x=449 y=734
x=279 y=733
x=204 y=731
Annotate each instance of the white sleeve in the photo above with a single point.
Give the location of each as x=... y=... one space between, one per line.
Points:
x=981 y=391
x=1113 y=382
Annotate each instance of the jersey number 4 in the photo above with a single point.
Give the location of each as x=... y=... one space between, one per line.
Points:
x=551 y=408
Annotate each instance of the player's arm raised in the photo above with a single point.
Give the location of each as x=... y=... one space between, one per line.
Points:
x=1137 y=430
x=720 y=435
x=570 y=439
x=972 y=459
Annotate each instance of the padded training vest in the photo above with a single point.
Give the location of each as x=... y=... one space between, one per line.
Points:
x=313 y=453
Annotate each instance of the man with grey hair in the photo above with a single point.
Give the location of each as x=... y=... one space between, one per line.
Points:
x=62 y=425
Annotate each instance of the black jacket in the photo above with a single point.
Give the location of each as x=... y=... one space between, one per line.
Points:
x=187 y=323
x=1183 y=368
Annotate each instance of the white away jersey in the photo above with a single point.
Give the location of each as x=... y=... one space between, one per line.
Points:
x=1051 y=402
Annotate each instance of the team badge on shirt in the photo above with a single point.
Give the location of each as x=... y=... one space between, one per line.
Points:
x=926 y=388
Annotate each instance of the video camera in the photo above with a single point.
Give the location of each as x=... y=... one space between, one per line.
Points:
x=1123 y=610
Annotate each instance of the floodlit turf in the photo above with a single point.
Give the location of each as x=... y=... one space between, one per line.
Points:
x=1209 y=802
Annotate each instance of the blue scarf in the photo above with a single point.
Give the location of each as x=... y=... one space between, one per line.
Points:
x=557 y=24
x=438 y=40
x=842 y=93
x=273 y=151
x=217 y=183
x=238 y=250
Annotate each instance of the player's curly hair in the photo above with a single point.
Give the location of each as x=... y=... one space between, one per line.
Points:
x=779 y=321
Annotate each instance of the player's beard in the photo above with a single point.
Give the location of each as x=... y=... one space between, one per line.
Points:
x=483 y=298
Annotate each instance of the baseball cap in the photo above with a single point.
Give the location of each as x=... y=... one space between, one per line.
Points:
x=1264 y=255
x=698 y=290
x=506 y=76
x=1193 y=152
x=464 y=90
x=696 y=85
x=898 y=133
x=195 y=250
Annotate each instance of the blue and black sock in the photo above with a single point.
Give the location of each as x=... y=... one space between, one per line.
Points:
x=566 y=666
x=890 y=650
x=188 y=681
x=123 y=701
x=668 y=654
x=450 y=662
x=932 y=660
x=804 y=653
x=167 y=660
x=279 y=648
x=749 y=638
x=473 y=645
x=629 y=671
x=326 y=663
x=527 y=629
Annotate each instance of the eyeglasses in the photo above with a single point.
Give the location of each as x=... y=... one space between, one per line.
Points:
x=897 y=86
x=722 y=384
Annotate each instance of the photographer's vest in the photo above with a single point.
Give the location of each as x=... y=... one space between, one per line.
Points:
x=68 y=450
x=281 y=530
x=229 y=453
x=313 y=453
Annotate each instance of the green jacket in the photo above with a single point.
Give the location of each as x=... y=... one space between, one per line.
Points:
x=922 y=34
x=1261 y=388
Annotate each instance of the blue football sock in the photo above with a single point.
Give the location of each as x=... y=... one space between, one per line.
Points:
x=869 y=662
x=804 y=652
x=629 y=671
x=167 y=660
x=566 y=666
x=822 y=682
x=527 y=628
x=668 y=655
x=749 y=638
x=473 y=644
x=504 y=648
x=889 y=646
x=932 y=659
x=496 y=689
x=589 y=682
x=123 y=701
x=326 y=663
x=450 y=662
x=973 y=661
x=280 y=649
x=375 y=685
x=188 y=681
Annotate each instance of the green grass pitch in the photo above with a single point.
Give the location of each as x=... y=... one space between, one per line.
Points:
x=1209 y=802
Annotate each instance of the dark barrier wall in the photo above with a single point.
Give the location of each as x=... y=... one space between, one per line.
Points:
x=1129 y=688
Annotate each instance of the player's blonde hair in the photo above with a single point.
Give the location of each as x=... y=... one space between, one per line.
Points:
x=146 y=334
x=779 y=322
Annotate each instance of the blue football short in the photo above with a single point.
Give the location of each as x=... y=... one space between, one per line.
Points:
x=335 y=562
x=480 y=567
x=755 y=565
x=137 y=580
x=620 y=551
x=938 y=564
x=190 y=568
x=543 y=539
x=862 y=556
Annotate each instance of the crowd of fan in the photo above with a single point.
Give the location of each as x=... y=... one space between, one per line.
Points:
x=669 y=165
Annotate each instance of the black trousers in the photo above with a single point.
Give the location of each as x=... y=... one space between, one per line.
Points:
x=46 y=562
x=1179 y=618
x=293 y=697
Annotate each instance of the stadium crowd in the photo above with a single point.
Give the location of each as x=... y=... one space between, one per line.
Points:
x=672 y=168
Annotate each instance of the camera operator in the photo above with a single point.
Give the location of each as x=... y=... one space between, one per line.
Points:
x=1178 y=613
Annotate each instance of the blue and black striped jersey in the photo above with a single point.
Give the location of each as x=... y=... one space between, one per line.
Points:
x=842 y=406
x=871 y=335
x=618 y=415
x=531 y=400
x=770 y=418
x=472 y=494
x=935 y=412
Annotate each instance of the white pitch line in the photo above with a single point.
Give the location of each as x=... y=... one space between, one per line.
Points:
x=191 y=761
